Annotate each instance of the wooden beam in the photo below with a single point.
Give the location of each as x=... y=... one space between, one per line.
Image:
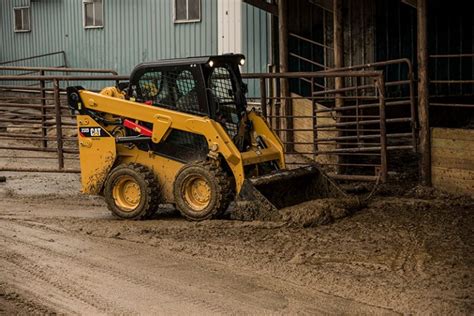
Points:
x=423 y=93
x=263 y=5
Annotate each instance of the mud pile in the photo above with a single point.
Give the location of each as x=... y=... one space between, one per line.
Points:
x=320 y=211
x=308 y=214
x=248 y=211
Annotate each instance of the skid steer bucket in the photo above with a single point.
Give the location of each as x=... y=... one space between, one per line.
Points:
x=287 y=188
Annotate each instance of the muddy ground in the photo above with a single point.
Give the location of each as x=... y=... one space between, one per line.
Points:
x=409 y=250
x=62 y=252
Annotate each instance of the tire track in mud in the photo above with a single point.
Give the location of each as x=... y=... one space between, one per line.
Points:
x=141 y=281
x=409 y=263
x=343 y=301
x=64 y=287
x=110 y=271
x=12 y=303
x=383 y=256
x=358 y=268
x=61 y=291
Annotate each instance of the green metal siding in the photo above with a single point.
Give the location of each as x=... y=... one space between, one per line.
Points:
x=134 y=31
x=255 y=39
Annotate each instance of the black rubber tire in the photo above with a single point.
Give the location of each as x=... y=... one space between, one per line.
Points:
x=149 y=190
x=221 y=190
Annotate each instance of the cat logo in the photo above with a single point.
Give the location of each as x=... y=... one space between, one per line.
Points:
x=95 y=131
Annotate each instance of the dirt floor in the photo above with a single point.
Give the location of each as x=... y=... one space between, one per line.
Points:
x=408 y=251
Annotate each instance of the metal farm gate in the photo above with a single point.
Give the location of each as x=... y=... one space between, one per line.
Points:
x=346 y=130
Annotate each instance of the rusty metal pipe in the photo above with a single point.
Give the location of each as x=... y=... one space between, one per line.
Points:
x=12 y=169
x=310 y=41
x=59 y=132
x=58 y=69
x=28 y=148
x=383 y=131
x=452 y=55
x=64 y=78
x=452 y=105
x=21 y=105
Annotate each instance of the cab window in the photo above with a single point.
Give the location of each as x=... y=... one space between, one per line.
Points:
x=152 y=87
x=173 y=89
x=221 y=85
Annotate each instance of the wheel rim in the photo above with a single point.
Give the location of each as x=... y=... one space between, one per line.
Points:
x=127 y=193
x=197 y=192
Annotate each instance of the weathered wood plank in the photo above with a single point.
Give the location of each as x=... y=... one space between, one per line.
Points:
x=452 y=133
x=448 y=161
x=455 y=173
x=463 y=145
x=452 y=153
x=453 y=180
x=453 y=185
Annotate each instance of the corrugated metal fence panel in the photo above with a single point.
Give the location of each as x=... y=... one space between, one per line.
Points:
x=134 y=31
x=255 y=43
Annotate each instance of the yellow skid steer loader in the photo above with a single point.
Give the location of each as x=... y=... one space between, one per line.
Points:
x=180 y=132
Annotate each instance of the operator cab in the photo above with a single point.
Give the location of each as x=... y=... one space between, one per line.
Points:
x=207 y=86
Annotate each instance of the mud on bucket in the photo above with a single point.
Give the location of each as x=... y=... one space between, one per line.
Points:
x=264 y=195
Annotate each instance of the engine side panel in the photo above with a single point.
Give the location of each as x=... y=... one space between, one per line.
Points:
x=97 y=154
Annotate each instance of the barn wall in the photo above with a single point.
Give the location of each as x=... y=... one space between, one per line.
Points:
x=359 y=35
x=255 y=43
x=133 y=32
x=229 y=19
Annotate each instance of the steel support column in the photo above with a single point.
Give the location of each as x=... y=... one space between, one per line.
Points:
x=286 y=106
x=338 y=29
